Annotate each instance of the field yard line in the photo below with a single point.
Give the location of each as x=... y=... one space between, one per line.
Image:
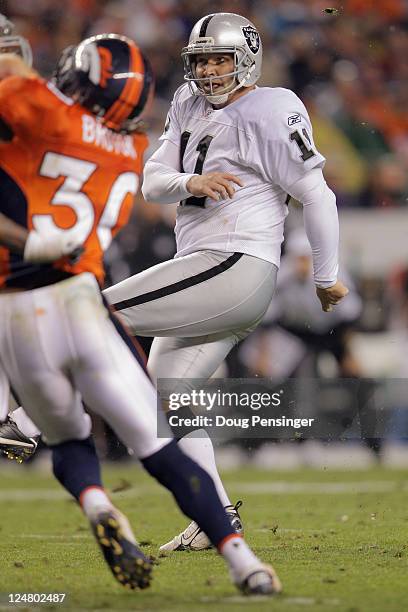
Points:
x=41 y=536
x=298 y=601
x=24 y=495
x=294 y=488
x=260 y=488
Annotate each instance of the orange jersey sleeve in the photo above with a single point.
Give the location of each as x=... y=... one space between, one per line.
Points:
x=26 y=104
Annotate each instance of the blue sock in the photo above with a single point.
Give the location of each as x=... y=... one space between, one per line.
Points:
x=76 y=465
x=192 y=488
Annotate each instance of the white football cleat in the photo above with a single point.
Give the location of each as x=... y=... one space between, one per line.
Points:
x=258 y=580
x=194 y=538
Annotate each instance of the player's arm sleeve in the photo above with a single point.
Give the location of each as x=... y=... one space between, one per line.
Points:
x=21 y=106
x=321 y=224
x=172 y=129
x=287 y=148
x=162 y=180
x=292 y=161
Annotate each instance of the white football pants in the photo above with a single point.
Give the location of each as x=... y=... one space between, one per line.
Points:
x=4 y=394
x=58 y=345
x=198 y=307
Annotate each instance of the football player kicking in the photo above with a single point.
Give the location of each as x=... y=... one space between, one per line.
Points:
x=232 y=154
x=69 y=165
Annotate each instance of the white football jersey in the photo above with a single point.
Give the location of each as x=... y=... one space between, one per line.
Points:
x=265 y=139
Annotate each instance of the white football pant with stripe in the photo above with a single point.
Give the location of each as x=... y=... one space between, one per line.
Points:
x=58 y=345
x=197 y=307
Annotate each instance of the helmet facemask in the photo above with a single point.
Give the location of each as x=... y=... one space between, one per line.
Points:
x=243 y=67
x=9 y=43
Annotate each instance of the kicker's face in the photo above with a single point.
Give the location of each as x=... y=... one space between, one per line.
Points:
x=214 y=66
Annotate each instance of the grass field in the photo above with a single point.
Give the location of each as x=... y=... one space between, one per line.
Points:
x=339 y=541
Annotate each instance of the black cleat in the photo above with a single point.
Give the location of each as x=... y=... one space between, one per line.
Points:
x=128 y=564
x=14 y=444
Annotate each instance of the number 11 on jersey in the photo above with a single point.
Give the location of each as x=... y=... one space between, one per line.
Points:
x=202 y=149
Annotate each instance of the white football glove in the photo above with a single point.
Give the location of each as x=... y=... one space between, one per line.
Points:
x=42 y=249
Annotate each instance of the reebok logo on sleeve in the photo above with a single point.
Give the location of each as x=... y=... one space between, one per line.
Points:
x=294 y=119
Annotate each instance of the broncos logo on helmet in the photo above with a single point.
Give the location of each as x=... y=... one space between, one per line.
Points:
x=108 y=75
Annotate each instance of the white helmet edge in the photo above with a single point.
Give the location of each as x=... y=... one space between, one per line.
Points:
x=11 y=43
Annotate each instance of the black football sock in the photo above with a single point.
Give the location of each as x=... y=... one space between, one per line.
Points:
x=192 y=488
x=76 y=465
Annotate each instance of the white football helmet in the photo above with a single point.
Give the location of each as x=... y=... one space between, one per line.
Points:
x=9 y=43
x=224 y=33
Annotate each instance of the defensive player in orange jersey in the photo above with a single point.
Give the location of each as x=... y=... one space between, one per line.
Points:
x=69 y=166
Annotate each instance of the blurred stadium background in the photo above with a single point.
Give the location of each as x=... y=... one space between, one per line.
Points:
x=349 y=65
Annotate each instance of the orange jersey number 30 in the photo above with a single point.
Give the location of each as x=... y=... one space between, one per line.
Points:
x=63 y=171
x=89 y=225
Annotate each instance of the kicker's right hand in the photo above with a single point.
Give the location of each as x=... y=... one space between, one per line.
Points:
x=214 y=185
x=40 y=248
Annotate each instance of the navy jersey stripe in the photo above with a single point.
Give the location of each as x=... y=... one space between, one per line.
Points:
x=13 y=204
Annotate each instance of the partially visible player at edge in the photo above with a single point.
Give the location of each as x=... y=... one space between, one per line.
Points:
x=11 y=234
x=69 y=165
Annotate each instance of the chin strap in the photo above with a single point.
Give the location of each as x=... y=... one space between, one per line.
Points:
x=221 y=99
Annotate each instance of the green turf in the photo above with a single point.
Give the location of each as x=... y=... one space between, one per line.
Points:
x=346 y=550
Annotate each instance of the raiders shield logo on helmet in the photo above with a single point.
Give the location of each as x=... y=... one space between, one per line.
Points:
x=252 y=38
